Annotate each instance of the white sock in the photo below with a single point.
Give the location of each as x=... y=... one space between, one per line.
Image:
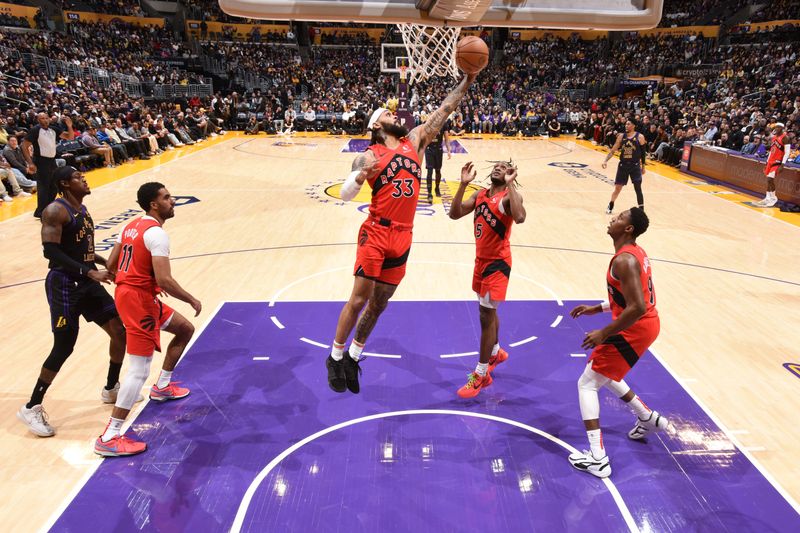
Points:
x=495 y=349
x=163 y=379
x=772 y=195
x=481 y=369
x=338 y=351
x=112 y=429
x=355 y=350
x=596 y=443
x=640 y=408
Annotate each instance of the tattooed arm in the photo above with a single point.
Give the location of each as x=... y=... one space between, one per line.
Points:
x=423 y=134
x=364 y=166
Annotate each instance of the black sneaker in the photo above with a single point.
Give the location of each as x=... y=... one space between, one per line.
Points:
x=351 y=373
x=336 y=380
x=438 y=192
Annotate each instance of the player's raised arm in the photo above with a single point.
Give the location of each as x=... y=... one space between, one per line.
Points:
x=513 y=200
x=459 y=207
x=422 y=135
x=364 y=166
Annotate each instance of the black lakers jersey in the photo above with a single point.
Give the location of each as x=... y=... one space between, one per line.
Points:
x=631 y=151
x=77 y=237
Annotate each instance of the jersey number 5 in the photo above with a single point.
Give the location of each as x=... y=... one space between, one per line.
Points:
x=478 y=230
x=399 y=190
x=126 y=257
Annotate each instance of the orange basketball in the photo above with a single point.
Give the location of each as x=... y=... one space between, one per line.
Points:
x=472 y=54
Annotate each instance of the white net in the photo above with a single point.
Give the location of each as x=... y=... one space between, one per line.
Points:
x=431 y=50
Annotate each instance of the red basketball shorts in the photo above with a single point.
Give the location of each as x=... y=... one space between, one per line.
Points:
x=617 y=355
x=382 y=252
x=491 y=275
x=143 y=315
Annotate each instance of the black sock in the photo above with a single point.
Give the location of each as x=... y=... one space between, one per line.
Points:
x=38 y=393
x=639 y=196
x=113 y=374
x=611 y=205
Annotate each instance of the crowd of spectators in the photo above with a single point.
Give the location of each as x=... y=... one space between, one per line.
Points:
x=361 y=38
x=130 y=8
x=777 y=10
x=540 y=87
x=688 y=12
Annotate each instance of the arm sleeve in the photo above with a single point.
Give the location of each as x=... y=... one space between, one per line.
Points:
x=787 y=151
x=53 y=252
x=156 y=241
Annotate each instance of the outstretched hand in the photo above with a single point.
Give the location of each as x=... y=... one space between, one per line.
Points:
x=468 y=173
x=583 y=310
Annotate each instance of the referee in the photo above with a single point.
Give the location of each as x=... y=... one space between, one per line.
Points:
x=44 y=139
x=433 y=159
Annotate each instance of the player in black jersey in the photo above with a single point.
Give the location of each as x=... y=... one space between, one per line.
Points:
x=631 y=163
x=73 y=289
x=433 y=159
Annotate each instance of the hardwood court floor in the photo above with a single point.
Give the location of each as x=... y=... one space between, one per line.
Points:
x=725 y=275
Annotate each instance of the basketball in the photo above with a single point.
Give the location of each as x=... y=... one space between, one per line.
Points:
x=472 y=54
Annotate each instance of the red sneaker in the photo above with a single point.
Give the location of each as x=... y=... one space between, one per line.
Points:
x=474 y=385
x=170 y=392
x=118 y=446
x=495 y=360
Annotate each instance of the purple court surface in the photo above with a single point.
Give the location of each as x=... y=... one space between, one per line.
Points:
x=262 y=443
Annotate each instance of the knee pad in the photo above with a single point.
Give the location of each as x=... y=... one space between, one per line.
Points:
x=63 y=344
x=618 y=388
x=138 y=372
x=591 y=380
x=588 y=385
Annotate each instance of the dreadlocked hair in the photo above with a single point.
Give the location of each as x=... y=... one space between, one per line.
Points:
x=511 y=164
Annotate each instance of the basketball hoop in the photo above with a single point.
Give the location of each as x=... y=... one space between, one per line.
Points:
x=431 y=50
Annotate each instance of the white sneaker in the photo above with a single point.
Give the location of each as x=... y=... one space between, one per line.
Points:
x=36 y=420
x=110 y=396
x=762 y=203
x=609 y=210
x=23 y=194
x=7 y=198
x=585 y=462
x=770 y=202
x=654 y=423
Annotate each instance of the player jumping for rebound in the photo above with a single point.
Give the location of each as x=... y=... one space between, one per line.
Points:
x=391 y=166
x=496 y=208
x=617 y=347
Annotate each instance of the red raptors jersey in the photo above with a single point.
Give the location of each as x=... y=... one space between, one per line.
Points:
x=395 y=189
x=492 y=227
x=776 y=152
x=135 y=267
x=615 y=297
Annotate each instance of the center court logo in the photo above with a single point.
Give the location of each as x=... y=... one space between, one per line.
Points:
x=330 y=192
